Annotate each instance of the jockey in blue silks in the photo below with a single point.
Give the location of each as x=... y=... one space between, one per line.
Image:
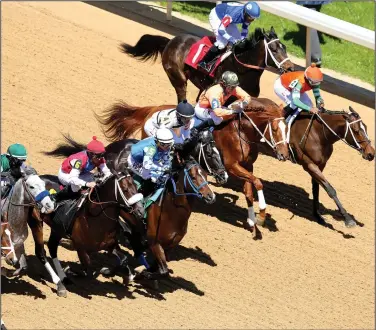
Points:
x=223 y=20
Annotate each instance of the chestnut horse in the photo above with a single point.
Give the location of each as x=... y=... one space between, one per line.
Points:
x=312 y=139
x=234 y=137
x=249 y=59
x=167 y=218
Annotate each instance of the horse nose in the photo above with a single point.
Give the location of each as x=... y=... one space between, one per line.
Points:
x=211 y=199
x=370 y=156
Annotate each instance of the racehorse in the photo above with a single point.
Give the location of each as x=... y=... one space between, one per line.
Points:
x=28 y=195
x=261 y=119
x=248 y=60
x=94 y=225
x=167 y=218
x=312 y=139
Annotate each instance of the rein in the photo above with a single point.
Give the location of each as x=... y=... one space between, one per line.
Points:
x=187 y=178
x=267 y=51
x=348 y=129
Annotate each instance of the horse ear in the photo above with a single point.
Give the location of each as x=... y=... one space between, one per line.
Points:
x=272 y=29
x=353 y=111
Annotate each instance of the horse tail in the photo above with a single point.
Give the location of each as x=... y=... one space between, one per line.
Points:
x=66 y=149
x=148 y=47
x=123 y=120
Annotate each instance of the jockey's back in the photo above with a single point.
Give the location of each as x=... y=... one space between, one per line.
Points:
x=235 y=11
x=289 y=80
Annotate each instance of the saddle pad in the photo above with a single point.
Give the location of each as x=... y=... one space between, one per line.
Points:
x=62 y=222
x=199 y=50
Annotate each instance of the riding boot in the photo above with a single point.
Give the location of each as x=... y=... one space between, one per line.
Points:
x=209 y=56
x=65 y=193
x=205 y=124
x=287 y=111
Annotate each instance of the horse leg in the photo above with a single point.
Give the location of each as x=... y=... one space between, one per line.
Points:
x=85 y=262
x=179 y=82
x=37 y=231
x=239 y=171
x=53 y=245
x=160 y=256
x=319 y=177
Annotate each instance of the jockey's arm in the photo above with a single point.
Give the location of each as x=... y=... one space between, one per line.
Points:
x=242 y=95
x=222 y=30
x=295 y=94
x=245 y=27
x=148 y=163
x=104 y=169
x=317 y=95
x=74 y=178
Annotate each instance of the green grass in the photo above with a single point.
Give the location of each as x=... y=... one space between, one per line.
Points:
x=339 y=55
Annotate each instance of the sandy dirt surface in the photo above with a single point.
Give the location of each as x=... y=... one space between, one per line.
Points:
x=60 y=63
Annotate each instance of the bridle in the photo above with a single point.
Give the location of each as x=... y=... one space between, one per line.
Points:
x=267 y=51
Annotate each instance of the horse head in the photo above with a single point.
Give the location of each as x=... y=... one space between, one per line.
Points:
x=356 y=135
x=209 y=157
x=35 y=187
x=268 y=116
x=273 y=50
x=194 y=178
x=126 y=193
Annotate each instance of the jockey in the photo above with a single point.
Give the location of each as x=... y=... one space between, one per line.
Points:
x=211 y=101
x=291 y=88
x=181 y=117
x=75 y=170
x=223 y=19
x=12 y=166
x=150 y=158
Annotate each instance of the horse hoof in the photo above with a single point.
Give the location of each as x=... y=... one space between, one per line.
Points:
x=128 y=279
x=249 y=225
x=350 y=223
x=61 y=290
x=108 y=272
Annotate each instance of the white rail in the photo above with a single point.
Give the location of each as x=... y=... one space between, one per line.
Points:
x=312 y=20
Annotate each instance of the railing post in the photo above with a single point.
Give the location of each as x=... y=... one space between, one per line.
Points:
x=169 y=10
x=308 y=47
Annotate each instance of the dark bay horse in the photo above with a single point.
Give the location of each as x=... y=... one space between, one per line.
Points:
x=95 y=225
x=234 y=138
x=252 y=56
x=312 y=139
x=167 y=218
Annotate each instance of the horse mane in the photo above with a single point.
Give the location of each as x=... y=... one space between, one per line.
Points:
x=257 y=36
x=66 y=149
x=264 y=109
x=122 y=120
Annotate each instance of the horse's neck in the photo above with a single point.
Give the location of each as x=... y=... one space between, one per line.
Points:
x=337 y=124
x=107 y=191
x=260 y=123
x=254 y=56
x=17 y=214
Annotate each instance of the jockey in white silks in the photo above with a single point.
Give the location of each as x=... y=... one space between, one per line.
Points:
x=181 y=117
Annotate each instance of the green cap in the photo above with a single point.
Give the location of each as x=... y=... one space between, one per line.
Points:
x=17 y=150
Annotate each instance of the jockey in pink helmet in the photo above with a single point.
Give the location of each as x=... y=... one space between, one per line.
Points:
x=75 y=170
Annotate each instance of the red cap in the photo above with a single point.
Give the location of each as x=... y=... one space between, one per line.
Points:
x=95 y=146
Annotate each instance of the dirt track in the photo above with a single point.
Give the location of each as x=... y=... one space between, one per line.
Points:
x=60 y=63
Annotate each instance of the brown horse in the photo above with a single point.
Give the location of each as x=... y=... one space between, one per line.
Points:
x=251 y=57
x=312 y=139
x=234 y=138
x=167 y=218
x=94 y=226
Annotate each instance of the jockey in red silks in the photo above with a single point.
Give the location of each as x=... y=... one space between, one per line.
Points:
x=75 y=170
